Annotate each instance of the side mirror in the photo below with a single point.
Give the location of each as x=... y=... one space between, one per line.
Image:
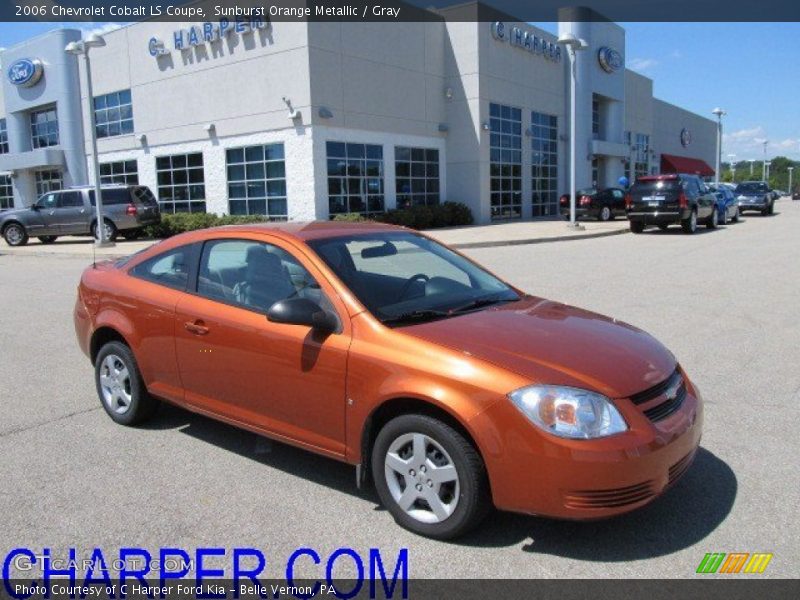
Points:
x=35 y=207
x=302 y=311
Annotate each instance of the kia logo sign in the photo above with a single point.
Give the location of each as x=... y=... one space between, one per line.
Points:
x=610 y=60
x=25 y=72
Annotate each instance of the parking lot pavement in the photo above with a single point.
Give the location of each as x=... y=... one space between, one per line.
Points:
x=724 y=301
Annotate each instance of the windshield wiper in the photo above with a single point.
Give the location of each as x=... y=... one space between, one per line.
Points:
x=480 y=303
x=417 y=315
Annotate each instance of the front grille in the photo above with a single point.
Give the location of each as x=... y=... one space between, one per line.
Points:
x=677 y=470
x=671 y=392
x=609 y=498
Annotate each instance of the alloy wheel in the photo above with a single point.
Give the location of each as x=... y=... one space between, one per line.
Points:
x=422 y=477
x=605 y=213
x=14 y=234
x=115 y=384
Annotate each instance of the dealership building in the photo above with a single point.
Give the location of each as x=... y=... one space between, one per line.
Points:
x=304 y=120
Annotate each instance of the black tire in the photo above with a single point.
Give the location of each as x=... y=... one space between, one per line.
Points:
x=473 y=499
x=48 y=239
x=735 y=217
x=15 y=235
x=111 y=230
x=713 y=219
x=132 y=234
x=663 y=227
x=771 y=210
x=605 y=214
x=140 y=404
x=690 y=225
x=637 y=226
x=566 y=217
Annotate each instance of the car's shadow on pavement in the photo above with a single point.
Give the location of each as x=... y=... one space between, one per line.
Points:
x=683 y=516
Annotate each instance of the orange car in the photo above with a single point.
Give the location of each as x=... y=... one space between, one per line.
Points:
x=380 y=347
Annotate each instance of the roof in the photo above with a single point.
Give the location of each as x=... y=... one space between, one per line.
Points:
x=682 y=164
x=312 y=230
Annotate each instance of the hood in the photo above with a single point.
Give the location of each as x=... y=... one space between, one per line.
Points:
x=13 y=211
x=556 y=344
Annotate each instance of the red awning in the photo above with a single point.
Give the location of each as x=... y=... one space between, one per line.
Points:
x=680 y=164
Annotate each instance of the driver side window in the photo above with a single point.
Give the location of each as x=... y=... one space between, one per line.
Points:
x=48 y=201
x=254 y=275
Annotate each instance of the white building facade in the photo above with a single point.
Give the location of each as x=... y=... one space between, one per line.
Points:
x=300 y=121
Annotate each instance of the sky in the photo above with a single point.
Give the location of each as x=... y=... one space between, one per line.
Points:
x=751 y=70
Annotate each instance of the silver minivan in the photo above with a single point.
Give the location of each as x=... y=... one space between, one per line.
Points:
x=126 y=210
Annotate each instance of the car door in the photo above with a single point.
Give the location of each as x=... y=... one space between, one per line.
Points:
x=280 y=379
x=44 y=220
x=72 y=215
x=617 y=201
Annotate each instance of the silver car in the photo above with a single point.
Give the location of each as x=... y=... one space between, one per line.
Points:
x=126 y=210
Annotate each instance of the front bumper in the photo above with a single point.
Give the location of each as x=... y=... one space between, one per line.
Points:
x=536 y=473
x=752 y=204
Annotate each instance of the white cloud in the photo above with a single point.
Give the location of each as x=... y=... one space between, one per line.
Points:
x=642 y=64
x=102 y=29
x=749 y=143
x=676 y=54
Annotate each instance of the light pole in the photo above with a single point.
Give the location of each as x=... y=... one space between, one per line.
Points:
x=719 y=112
x=733 y=167
x=83 y=47
x=764 y=164
x=790 y=169
x=751 y=161
x=767 y=165
x=573 y=44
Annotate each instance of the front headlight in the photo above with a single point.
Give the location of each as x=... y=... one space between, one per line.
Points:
x=569 y=412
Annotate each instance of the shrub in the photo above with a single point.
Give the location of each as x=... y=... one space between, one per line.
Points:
x=447 y=214
x=350 y=217
x=173 y=224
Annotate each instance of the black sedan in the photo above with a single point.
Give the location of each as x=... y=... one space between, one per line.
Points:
x=591 y=203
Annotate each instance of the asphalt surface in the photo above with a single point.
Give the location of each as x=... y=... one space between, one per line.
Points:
x=725 y=302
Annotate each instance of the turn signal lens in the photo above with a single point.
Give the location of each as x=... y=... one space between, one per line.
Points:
x=683 y=202
x=586 y=200
x=131 y=210
x=628 y=201
x=569 y=412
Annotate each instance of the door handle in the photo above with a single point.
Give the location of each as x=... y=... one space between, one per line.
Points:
x=196 y=327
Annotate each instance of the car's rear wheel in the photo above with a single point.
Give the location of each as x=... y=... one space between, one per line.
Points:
x=637 y=226
x=429 y=477
x=735 y=217
x=15 y=234
x=48 y=239
x=110 y=230
x=132 y=234
x=663 y=227
x=690 y=225
x=605 y=214
x=713 y=219
x=120 y=386
x=771 y=209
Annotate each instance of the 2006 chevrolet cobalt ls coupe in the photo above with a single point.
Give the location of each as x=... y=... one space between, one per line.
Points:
x=382 y=348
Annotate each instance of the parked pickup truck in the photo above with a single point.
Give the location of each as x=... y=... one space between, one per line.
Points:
x=672 y=199
x=126 y=209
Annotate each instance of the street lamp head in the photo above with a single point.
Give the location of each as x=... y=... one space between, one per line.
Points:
x=718 y=112
x=74 y=48
x=94 y=40
x=568 y=39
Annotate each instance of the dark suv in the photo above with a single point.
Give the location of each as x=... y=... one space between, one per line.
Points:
x=755 y=195
x=126 y=209
x=673 y=199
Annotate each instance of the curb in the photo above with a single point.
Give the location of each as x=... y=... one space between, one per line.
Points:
x=560 y=238
x=467 y=245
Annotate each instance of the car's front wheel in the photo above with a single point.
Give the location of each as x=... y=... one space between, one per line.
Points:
x=637 y=226
x=735 y=217
x=429 y=476
x=48 y=239
x=120 y=386
x=605 y=214
x=15 y=234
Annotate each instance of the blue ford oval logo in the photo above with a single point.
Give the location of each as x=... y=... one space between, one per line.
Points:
x=610 y=60
x=25 y=72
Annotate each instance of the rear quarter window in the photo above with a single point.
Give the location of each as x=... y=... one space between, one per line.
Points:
x=650 y=187
x=170 y=269
x=112 y=197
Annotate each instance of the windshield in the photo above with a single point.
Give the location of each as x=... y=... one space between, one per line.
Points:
x=658 y=185
x=751 y=188
x=403 y=278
